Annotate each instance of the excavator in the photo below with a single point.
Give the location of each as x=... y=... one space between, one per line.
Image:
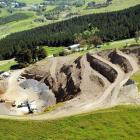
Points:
x=28 y=105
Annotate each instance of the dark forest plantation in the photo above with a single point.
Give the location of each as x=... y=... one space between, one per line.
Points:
x=69 y=69
x=112 y=26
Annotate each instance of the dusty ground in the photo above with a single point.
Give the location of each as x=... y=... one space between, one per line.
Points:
x=88 y=87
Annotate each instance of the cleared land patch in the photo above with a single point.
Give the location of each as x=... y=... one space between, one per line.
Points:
x=53 y=50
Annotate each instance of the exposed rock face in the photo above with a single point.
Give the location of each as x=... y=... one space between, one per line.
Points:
x=121 y=61
x=102 y=68
x=114 y=57
x=62 y=78
x=67 y=77
x=133 y=51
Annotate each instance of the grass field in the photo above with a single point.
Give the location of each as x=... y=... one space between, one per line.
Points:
x=136 y=77
x=119 y=44
x=5 y=65
x=17 y=26
x=119 y=123
x=30 y=1
x=53 y=50
x=29 y=23
x=110 y=45
x=115 y=6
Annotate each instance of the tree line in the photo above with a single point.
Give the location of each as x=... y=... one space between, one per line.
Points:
x=112 y=26
x=14 y=17
x=28 y=56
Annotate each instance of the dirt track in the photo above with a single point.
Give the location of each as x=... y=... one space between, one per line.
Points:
x=80 y=105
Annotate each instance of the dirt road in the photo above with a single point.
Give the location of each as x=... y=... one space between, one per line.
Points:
x=108 y=98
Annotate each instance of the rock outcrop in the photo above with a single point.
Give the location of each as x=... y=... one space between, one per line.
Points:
x=103 y=68
x=114 y=57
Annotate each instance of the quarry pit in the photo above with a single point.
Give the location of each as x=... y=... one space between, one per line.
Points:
x=89 y=82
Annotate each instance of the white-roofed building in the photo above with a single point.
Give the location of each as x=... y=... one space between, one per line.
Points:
x=74 y=47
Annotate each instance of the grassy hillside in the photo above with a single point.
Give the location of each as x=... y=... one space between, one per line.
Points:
x=30 y=1
x=136 y=77
x=53 y=50
x=116 y=5
x=63 y=33
x=6 y=65
x=112 y=45
x=119 y=123
x=13 y=18
x=119 y=44
x=29 y=23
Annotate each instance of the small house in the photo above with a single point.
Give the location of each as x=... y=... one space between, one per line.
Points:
x=74 y=47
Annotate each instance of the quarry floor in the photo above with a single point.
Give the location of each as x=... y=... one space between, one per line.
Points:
x=77 y=106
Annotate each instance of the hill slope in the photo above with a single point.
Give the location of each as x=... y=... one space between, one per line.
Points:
x=37 y=18
x=112 y=26
x=121 y=123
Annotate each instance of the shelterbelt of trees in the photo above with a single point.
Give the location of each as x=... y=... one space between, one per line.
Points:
x=112 y=26
x=14 y=17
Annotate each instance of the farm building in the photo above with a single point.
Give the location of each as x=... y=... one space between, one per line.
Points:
x=74 y=47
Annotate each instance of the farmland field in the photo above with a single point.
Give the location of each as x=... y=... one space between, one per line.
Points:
x=29 y=23
x=13 y=18
x=30 y=1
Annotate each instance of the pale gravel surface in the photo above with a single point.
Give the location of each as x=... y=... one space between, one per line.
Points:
x=79 y=105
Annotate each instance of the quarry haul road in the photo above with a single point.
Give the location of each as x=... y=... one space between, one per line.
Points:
x=110 y=93
x=135 y=68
